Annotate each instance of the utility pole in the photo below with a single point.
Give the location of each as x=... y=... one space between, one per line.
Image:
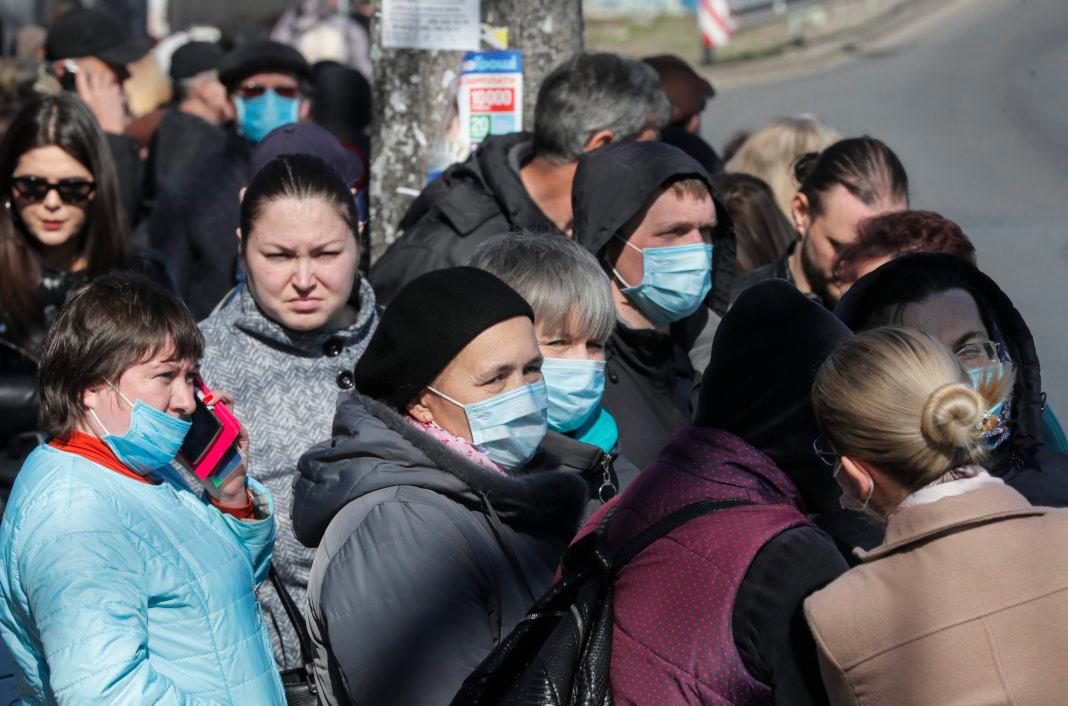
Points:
x=412 y=93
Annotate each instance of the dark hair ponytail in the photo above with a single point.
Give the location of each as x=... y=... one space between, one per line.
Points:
x=296 y=176
x=864 y=166
x=65 y=122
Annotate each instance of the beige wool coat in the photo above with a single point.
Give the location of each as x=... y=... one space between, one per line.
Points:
x=965 y=603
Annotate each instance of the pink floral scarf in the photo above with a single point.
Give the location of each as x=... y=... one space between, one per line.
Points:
x=455 y=444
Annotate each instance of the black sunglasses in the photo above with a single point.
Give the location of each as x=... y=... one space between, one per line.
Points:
x=35 y=189
x=255 y=90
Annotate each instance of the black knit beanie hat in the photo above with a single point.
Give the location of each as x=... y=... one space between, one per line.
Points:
x=429 y=321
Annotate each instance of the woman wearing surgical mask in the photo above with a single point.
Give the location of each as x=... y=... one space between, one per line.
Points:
x=964 y=601
x=285 y=343
x=573 y=318
x=437 y=519
x=121 y=584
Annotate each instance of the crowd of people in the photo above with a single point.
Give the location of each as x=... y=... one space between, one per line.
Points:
x=789 y=425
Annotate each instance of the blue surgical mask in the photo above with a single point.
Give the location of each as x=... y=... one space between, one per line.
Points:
x=258 y=116
x=508 y=427
x=995 y=423
x=675 y=281
x=575 y=388
x=151 y=442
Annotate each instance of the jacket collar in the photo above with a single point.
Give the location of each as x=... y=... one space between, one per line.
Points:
x=539 y=497
x=983 y=506
x=585 y=458
x=252 y=320
x=373 y=447
x=648 y=351
x=493 y=170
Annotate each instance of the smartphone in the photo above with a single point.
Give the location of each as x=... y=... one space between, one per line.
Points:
x=210 y=447
x=70 y=75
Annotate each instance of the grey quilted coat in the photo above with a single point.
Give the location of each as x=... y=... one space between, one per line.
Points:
x=284 y=385
x=425 y=559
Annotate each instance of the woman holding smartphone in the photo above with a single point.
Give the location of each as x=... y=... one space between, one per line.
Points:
x=61 y=224
x=120 y=583
x=286 y=343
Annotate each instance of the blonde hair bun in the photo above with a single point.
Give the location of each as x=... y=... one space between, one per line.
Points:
x=952 y=416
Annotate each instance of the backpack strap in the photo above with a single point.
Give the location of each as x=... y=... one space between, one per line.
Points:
x=613 y=561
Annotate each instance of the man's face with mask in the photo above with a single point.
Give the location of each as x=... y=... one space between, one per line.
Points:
x=265 y=101
x=953 y=317
x=824 y=233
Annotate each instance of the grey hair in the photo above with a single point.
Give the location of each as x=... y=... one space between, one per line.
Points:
x=558 y=277
x=591 y=92
x=183 y=85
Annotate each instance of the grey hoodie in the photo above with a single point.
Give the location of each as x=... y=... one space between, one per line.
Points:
x=425 y=560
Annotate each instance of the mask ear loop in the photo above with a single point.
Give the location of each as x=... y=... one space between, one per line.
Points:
x=119 y=393
x=443 y=396
x=93 y=411
x=871 y=485
x=99 y=423
x=871 y=491
x=632 y=247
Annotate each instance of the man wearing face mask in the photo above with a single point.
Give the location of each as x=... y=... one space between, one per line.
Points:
x=437 y=519
x=649 y=214
x=197 y=210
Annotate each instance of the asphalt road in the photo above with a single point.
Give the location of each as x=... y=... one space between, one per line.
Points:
x=976 y=106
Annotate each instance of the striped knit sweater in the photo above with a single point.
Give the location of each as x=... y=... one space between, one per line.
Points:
x=284 y=384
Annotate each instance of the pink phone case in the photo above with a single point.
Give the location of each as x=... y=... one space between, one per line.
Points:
x=230 y=429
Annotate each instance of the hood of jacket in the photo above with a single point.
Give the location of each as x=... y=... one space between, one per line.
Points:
x=484 y=186
x=758 y=383
x=615 y=183
x=242 y=311
x=373 y=447
x=910 y=279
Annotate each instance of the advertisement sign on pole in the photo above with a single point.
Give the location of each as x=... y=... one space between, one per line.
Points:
x=490 y=97
x=430 y=24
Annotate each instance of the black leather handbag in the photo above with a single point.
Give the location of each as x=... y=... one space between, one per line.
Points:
x=298 y=683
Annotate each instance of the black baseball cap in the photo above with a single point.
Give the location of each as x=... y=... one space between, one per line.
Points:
x=195 y=58
x=260 y=56
x=86 y=32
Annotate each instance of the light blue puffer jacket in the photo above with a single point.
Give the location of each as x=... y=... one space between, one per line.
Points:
x=120 y=592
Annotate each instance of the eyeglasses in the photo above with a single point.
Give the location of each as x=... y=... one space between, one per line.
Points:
x=824 y=450
x=978 y=355
x=255 y=90
x=35 y=189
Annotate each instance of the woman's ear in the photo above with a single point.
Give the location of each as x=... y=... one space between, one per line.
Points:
x=91 y=396
x=419 y=408
x=859 y=474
